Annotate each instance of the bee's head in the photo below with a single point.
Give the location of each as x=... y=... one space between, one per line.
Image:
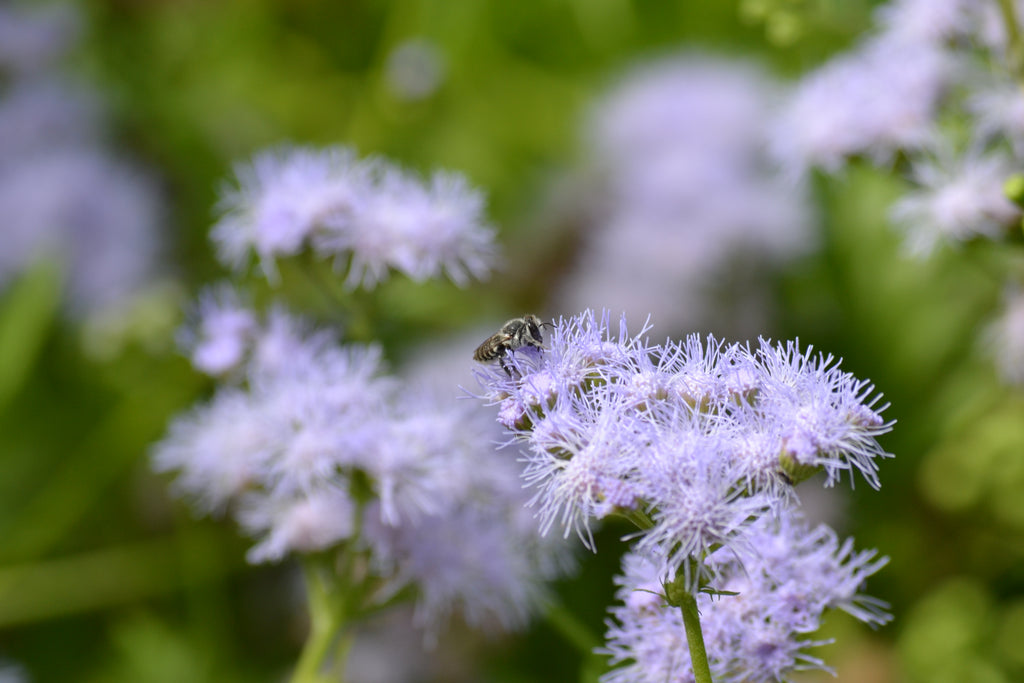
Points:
x=534 y=325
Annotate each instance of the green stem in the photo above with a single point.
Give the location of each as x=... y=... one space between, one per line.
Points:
x=695 y=639
x=326 y=618
x=1014 y=39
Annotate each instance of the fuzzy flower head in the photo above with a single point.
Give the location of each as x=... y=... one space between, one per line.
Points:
x=998 y=109
x=95 y=215
x=219 y=339
x=956 y=199
x=675 y=143
x=698 y=438
x=312 y=447
x=366 y=215
x=826 y=417
x=873 y=101
x=778 y=589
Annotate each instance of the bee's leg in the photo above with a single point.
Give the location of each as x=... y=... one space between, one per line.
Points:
x=510 y=370
x=503 y=362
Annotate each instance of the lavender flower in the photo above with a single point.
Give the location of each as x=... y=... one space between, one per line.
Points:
x=480 y=554
x=219 y=339
x=93 y=214
x=312 y=448
x=998 y=110
x=317 y=520
x=31 y=39
x=928 y=21
x=366 y=215
x=825 y=417
x=957 y=199
x=63 y=198
x=676 y=142
x=701 y=438
x=41 y=115
x=785 y=579
x=877 y=99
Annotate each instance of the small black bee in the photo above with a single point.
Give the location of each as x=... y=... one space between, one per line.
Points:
x=514 y=334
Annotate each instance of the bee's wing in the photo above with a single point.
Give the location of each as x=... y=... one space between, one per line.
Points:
x=488 y=350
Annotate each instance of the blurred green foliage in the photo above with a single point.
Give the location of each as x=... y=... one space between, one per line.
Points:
x=104 y=578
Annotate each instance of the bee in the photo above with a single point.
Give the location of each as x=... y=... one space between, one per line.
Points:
x=514 y=334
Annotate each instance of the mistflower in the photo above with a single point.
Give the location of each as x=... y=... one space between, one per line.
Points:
x=675 y=142
x=220 y=449
x=697 y=501
x=96 y=216
x=759 y=630
x=43 y=115
x=32 y=38
x=998 y=109
x=479 y=555
x=222 y=334
x=281 y=198
x=825 y=417
x=956 y=199
x=312 y=447
x=879 y=98
x=927 y=21
x=697 y=438
x=314 y=521
x=366 y=215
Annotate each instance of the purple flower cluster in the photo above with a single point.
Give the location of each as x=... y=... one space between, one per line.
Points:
x=700 y=442
x=757 y=633
x=366 y=215
x=675 y=143
x=65 y=197
x=932 y=82
x=311 y=446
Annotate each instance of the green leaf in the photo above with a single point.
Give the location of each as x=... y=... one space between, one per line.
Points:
x=26 y=313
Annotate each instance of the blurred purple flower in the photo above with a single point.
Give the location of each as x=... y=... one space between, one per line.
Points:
x=96 y=216
x=928 y=21
x=42 y=115
x=956 y=199
x=877 y=99
x=685 y=188
x=366 y=215
x=33 y=37
x=310 y=445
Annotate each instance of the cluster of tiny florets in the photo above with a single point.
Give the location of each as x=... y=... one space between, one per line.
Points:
x=367 y=216
x=604 y=413
x=898 y=93
x=702 y=442
x=758 y=630
x=312 y=446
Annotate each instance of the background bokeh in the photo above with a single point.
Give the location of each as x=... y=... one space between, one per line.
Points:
x=104 y=577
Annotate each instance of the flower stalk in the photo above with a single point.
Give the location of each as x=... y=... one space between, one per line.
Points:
x=695 y=638
x=328 y=614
